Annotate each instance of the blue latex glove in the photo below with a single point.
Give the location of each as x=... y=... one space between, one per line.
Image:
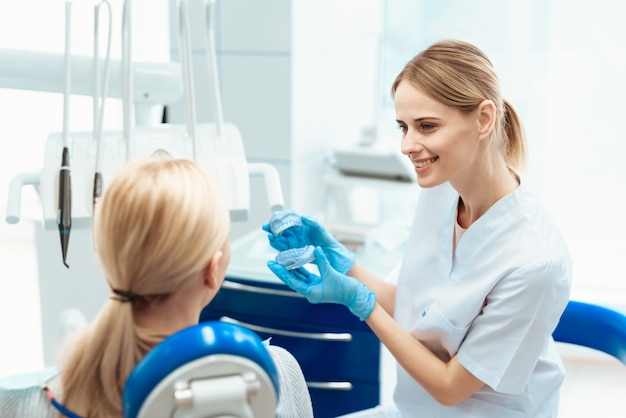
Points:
x=313 y=233
x=329 y=287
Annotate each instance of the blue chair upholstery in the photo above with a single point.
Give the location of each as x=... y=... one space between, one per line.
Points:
x=173 y=375
x=593 y=326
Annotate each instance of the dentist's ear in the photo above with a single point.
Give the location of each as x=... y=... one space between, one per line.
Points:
x=212 y=274
x=486 y=112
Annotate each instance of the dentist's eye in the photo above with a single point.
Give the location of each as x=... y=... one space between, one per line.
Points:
x=402 y=128
x=427 y=127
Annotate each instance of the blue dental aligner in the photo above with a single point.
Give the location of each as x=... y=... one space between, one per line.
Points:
x=296 y=257
x=283 y=220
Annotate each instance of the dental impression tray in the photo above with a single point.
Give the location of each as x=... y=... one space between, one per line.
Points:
x=283 y=220
x=296 y=257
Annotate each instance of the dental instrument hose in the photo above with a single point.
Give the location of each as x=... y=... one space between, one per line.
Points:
x=126 y=75
x=99 y=102
x=64 y=212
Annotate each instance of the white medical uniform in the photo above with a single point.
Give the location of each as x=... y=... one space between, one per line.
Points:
x=494 y=304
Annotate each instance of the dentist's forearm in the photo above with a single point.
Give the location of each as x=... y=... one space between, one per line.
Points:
x=448 y=382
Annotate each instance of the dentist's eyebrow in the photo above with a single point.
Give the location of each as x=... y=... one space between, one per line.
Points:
x=423 y=118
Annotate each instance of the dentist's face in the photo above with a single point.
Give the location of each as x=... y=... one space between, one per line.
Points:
x=441 y=141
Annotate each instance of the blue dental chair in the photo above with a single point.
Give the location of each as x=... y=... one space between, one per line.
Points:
x=593 y=326
x=213 y=369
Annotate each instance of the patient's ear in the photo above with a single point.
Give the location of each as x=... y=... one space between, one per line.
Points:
x=486 y=118
x=212 y=274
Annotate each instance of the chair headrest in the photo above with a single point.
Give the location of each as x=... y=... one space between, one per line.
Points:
x=594 y=326
x=206 y=351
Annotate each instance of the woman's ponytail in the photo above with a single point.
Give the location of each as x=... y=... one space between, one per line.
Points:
x=516 y=139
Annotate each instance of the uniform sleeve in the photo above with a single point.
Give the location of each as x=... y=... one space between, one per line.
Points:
x=295 y=400
x=506 y=340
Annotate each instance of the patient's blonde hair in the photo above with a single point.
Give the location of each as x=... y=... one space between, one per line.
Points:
x=160 y=222
x=460 y=75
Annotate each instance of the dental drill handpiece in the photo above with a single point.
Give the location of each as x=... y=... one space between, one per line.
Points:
x=97 y=189
x=64 y=214
x=97 y=192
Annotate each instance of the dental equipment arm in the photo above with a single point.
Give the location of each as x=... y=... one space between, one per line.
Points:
x=154 y=83
x=14 y=202
x=311 y=232
x=329 y=287
x=272 y=183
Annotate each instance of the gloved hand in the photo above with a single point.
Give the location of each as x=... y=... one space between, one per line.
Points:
x=313 y=233
x=286 y=231
x=329 y=287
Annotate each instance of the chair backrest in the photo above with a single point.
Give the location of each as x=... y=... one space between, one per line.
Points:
x=593 y=326
x=211 y=369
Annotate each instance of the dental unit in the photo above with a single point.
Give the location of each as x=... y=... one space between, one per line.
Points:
x=95 y=155
x=218 y=146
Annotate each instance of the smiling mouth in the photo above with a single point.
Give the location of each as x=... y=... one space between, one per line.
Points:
x=424 y=163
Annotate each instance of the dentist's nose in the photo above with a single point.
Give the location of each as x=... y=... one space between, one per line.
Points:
x=410 y=144
x=404 y=146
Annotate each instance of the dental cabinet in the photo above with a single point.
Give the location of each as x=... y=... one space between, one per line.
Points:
x=339 y=355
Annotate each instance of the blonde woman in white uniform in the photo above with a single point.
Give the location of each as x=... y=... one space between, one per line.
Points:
x=486 y=274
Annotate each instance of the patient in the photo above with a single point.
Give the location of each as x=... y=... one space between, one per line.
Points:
x=162 y=236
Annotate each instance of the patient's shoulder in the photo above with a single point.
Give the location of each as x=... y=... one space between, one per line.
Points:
x=294 y=400
x=27 y=401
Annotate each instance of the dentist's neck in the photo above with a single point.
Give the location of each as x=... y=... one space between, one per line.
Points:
x=479 y=192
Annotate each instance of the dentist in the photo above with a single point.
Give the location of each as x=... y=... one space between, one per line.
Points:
x=486 y=273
